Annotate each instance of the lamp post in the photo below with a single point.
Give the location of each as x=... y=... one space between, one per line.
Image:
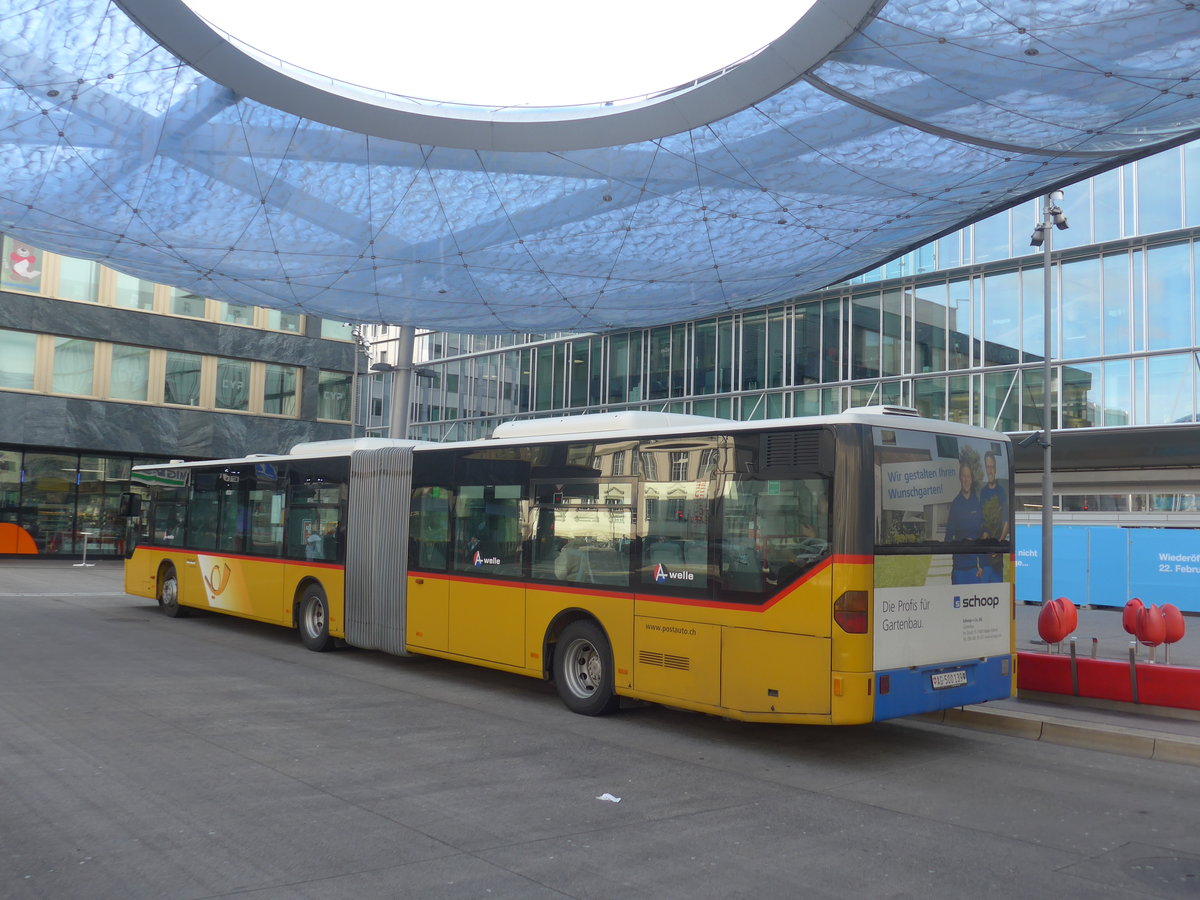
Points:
x=1052 y=217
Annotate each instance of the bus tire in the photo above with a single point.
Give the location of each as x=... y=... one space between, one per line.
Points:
x=583 y=670
x=314 y=619
x=168 y=594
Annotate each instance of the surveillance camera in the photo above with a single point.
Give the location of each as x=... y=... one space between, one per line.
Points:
x=1033 y=438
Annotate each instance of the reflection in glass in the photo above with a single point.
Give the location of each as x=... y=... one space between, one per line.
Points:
x=185 y=303
x=1170 y=387
x=73 y=363
x=182 y=382
x=333 y=396
x=18 y=351
x=1116 y=303
x=1158 y=190
x=78 y=279
x=48 y=502
x=1118 y=399
x=130 y=376
x=279 y=397
x=233 y=384
x=133 y=293
x=1168 y=296
x=1081 y=393
x=1081 y=308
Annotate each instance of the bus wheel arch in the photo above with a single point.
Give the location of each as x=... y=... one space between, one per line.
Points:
x=582 y=664
x=310 y=614
x=167 y=591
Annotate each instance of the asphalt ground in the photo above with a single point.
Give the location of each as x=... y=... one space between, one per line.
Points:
x=212 y=757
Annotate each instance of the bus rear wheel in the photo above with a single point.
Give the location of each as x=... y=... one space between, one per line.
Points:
x=314 y=620
x=583 y=670
x=168 y=594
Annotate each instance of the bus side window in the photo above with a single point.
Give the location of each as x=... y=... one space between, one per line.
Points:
x=167 y=524
x=487 y=529
x=429 y=528
x=203 y=512
x=315 y=523
x=775 y=529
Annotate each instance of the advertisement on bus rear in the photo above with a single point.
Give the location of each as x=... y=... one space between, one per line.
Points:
x=934 y=620
x=943 y=564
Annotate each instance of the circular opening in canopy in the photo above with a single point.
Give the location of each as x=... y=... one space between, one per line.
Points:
x=535 y=53
x=528 y=76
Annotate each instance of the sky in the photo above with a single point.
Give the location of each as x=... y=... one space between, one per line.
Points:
x=519 y=53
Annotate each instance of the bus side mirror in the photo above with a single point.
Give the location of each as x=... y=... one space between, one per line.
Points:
x=130 y=506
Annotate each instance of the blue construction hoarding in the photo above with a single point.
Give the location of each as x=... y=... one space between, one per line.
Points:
x=1106 y=565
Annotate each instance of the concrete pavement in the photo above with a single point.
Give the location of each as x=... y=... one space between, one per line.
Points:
x=211 y=757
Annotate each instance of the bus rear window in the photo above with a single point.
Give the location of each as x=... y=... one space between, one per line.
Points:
x=941 y=489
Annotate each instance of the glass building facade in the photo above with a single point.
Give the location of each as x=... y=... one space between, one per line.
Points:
x=954 y=328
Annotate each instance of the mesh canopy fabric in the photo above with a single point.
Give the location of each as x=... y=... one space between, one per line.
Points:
x=934 y=114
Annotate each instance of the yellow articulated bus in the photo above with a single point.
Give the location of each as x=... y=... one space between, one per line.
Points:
x=829 y=570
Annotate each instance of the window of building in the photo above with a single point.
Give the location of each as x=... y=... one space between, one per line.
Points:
x=1159 y=188
x=1168 y=296
x=129 y=378
x=333 y=395
x=132 y=293
x=22 y=269
x=279 y=396
x=78 y=279
x=233 y=384
x=185 y=303
x=337 y=331
x=182 y=382
x=235 y=313
x=1080 y=308
x=18 y=352
x=278 y=320
x=1169 y=383
x=48 y=502
x=74 y=362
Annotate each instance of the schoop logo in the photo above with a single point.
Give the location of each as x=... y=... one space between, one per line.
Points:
x=976 y=601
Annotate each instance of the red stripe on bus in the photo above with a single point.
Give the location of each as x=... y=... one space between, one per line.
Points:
x=266 y=559
x=841 y=559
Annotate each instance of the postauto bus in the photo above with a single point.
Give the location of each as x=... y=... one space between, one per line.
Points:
x=829 y=570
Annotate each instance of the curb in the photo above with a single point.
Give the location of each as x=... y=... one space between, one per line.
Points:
x=1105 y=738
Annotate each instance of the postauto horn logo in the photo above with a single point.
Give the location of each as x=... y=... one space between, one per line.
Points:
x=975 y=602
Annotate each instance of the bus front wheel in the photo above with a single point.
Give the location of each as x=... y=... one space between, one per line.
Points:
x=583 y=670
x=168 y=594
x=314 y=620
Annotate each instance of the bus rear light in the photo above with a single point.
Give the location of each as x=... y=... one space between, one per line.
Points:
x=850 y=612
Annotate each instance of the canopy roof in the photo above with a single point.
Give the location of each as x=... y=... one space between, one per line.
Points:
x=794 y=170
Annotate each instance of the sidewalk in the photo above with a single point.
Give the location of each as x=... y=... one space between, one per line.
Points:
x=1101 y=628
x=1171 y=735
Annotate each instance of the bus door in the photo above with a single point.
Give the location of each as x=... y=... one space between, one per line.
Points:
x=237 y=514
x=428 y=618
x=486 y=614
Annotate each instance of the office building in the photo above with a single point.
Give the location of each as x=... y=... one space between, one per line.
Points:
x=100 y=371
